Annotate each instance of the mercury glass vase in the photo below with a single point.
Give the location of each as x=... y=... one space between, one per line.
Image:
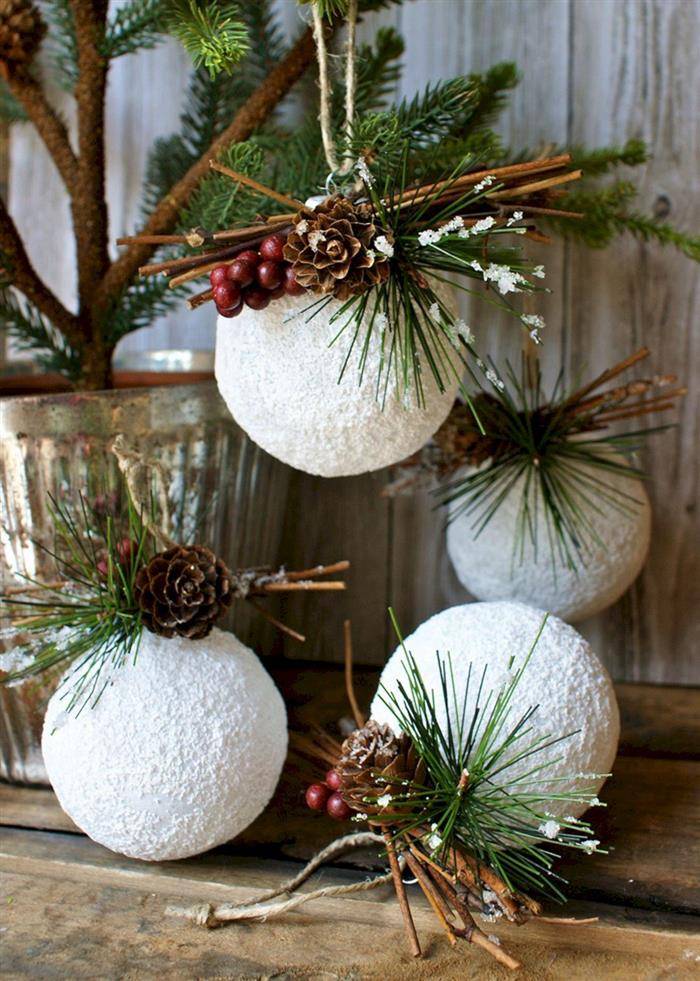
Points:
x=223 y=489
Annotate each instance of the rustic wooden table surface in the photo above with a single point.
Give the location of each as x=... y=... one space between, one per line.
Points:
x=72 y=909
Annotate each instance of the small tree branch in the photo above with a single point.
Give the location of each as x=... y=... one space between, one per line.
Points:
x=89 y=205
x=248 y=118
x=28 y=282
x=49 y=126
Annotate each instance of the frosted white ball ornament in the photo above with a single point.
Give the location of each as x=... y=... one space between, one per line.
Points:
x=489 y=567
x=278 y=373
x=564 y=679
x=182 y=751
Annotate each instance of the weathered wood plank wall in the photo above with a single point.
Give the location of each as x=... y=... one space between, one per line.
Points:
x=593 y=72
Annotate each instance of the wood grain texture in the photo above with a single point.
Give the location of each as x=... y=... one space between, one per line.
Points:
x=65 y=917
x=631 y=60
x=593 y=73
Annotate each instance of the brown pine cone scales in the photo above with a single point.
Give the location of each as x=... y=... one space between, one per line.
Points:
x=461 y=441
x=333 y=249
x=375 y=764
x=21 y=33
x=183 y=591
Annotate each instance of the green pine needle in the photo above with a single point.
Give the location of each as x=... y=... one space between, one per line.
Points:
x=212 y=33
x=89 y=618
x=33 y=333
x=500 y=820
x=137 y=25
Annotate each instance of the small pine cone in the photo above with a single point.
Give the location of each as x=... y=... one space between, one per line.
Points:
x=375 y=763
x=183 y=591
x=333 y=248
x=21 y=32
x=461 y=441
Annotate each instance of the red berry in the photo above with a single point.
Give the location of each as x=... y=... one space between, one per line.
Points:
x=317 y=796
x=337 y=808
x=249 y=255
x=242 y=272
x=272 y=247
x=277 y=293
x=227 y=295
x=256 y=297
x=333 y=780
x=269 y=274
x=126 y=550
x=231 y=311
x=291 y=285
x=218 y=276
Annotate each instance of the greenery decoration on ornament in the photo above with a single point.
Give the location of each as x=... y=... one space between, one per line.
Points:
x=117 y=574
x=561 y=445
x=442 y=806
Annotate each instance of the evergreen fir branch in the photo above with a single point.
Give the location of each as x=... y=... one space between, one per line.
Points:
x=595 y=163
x=378 y=70
x=33 y=333
x=220 y=203
x=266 y=43
x=607 y=216
x=170 y=158
x=10 y=109
x=489 y=96
x=136 y=25
x=212 y=32
x=139 y=306
x=62 y=42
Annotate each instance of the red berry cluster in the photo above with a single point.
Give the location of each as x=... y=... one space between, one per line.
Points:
x=254 y=278
x=326 y=797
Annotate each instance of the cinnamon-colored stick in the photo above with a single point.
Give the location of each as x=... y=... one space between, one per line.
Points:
x=349 y=684
x=400 y=889
x=256 y=186
x=434 y=898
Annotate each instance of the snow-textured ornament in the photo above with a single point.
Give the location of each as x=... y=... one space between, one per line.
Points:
x=490 y=566
x=564 y=679
x=182 y=751
x=279 y=375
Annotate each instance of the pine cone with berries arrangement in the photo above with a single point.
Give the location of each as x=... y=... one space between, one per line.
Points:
x=21 y=32
x=377 y=766
x=338 y=248
x=183 y=591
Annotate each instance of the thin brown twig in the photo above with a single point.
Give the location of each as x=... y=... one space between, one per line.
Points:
x=256 y=185
x=401 y=896
x=275 y=622
x=434 y=898
x=349 y=683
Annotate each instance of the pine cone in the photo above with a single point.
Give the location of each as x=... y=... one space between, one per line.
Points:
x=374 y=763
x=333 y=248
x=461 y=441
x=21 y=33
x=183 y=591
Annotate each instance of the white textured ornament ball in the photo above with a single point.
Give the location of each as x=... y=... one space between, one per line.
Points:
x=278 y=374
x=564 y=679
x=490 y=568
x=182 y=751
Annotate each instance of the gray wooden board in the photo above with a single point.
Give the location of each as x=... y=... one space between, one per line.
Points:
x=592 y=72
